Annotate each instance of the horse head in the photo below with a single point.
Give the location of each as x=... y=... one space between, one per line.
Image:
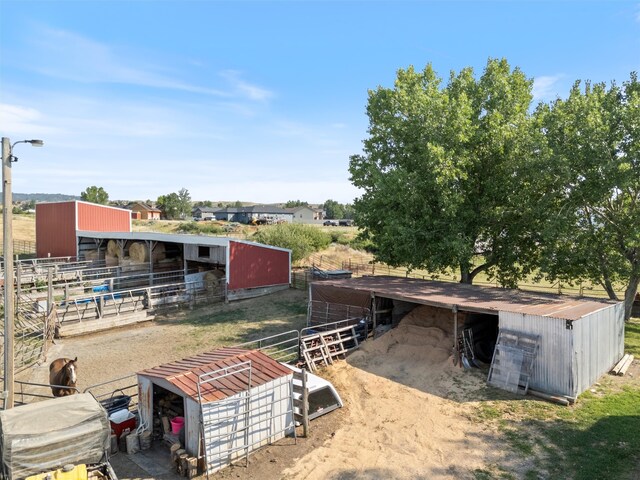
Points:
x=71 y=369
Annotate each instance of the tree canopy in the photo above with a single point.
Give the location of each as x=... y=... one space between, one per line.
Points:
x=95 y=194
x=175 y=205
x=295 y=203
x=439 y=172
x=593 y=230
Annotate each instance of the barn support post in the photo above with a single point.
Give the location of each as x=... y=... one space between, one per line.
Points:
x=305 y=405
x=151 y=245
x=456 y=351
x=49 y=290
x=374 y=313
x=184 y=264
x=121 y=244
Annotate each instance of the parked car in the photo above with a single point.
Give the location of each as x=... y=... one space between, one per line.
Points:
x=345 y=223
x=330 y=223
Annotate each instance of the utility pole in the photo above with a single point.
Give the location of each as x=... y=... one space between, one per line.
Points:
x=7 y=254
x=9 y=292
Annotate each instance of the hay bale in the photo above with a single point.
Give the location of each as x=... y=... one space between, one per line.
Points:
x=213 y=278
x=111 y=260
x=91 y=255
x=139 y=252
x=113 y=249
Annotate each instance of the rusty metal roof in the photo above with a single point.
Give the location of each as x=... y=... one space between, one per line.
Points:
x=184 y=374
x=471 y=297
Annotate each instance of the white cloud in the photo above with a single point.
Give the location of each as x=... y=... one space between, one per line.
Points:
x=246 y=89
x=67 y=55
x=546 y=87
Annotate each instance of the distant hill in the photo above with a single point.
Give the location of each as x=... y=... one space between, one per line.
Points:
x=43 y=197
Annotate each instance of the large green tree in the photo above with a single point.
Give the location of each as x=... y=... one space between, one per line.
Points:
x=334 y=209
x=593 y=231
x=175 y=205
x=442 y=169
x=95 y=194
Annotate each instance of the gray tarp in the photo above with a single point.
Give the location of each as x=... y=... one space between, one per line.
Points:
x=47 y=435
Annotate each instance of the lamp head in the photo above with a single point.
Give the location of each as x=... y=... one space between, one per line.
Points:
x=35 y=142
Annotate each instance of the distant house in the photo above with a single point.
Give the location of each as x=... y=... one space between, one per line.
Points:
x=267 y=213
x=303 y=214
x=146 y=212
x=206 y=213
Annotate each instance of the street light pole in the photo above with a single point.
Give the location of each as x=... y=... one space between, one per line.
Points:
x=7 y=253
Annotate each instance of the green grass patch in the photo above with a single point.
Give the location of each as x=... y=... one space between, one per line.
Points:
x=632 y=337
x=600 y=440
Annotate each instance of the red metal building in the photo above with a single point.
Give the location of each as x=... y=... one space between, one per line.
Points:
x=255 y=265
x=58 y=222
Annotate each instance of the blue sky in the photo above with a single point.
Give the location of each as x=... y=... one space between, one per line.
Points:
x=257 y=101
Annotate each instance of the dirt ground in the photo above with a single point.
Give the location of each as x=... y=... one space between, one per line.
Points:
x=408 y=412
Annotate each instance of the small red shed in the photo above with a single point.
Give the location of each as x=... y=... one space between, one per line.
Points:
x=58 y=222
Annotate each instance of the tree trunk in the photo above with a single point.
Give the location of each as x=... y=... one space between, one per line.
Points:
x=630 y=295
x=467 y=275
x=608 y=287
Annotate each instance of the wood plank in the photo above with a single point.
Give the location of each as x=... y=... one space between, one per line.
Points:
x=626 y=365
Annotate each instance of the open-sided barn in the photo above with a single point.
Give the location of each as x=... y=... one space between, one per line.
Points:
x=573 y=340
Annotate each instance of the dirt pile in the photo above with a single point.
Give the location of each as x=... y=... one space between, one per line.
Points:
x=403 y=421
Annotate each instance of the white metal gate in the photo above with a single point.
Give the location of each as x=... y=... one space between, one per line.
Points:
x=234 y=426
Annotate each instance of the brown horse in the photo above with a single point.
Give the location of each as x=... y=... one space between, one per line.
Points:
x=63 y=373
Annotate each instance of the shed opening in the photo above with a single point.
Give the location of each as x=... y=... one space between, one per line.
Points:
x=169 y=412
x=479 y=336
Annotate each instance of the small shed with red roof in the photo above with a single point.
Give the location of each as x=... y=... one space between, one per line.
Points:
x=233 y=401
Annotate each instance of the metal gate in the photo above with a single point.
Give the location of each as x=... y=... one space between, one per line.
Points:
x=234 y=426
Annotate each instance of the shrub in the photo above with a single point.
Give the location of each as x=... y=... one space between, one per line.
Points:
x=200 y=228
x=302 y=240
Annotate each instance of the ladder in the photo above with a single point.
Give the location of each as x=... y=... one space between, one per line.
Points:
x=320 y=349
x=513 y=359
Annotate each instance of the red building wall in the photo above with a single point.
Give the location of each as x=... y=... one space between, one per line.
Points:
x=255 y=266
x=56 y=229
x=99 y=218
x=56 y=225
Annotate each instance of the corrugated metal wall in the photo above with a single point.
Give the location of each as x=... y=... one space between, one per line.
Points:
x=598 y=344
x=99 y=218
x=253 y=266
x=571 y=359
x=554 y=369
x=56 y=229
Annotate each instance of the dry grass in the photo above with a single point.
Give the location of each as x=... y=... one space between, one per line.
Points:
x=24 y=227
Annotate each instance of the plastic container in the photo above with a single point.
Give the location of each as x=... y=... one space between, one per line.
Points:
x=115 y=403
x=122 y=420
x=176 y=425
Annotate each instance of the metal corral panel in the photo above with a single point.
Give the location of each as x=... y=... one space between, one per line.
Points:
x=56 y=229
x=553 y=369
x=268 y=418
x=252 y=266
x=100 y=218
x=598 y=344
